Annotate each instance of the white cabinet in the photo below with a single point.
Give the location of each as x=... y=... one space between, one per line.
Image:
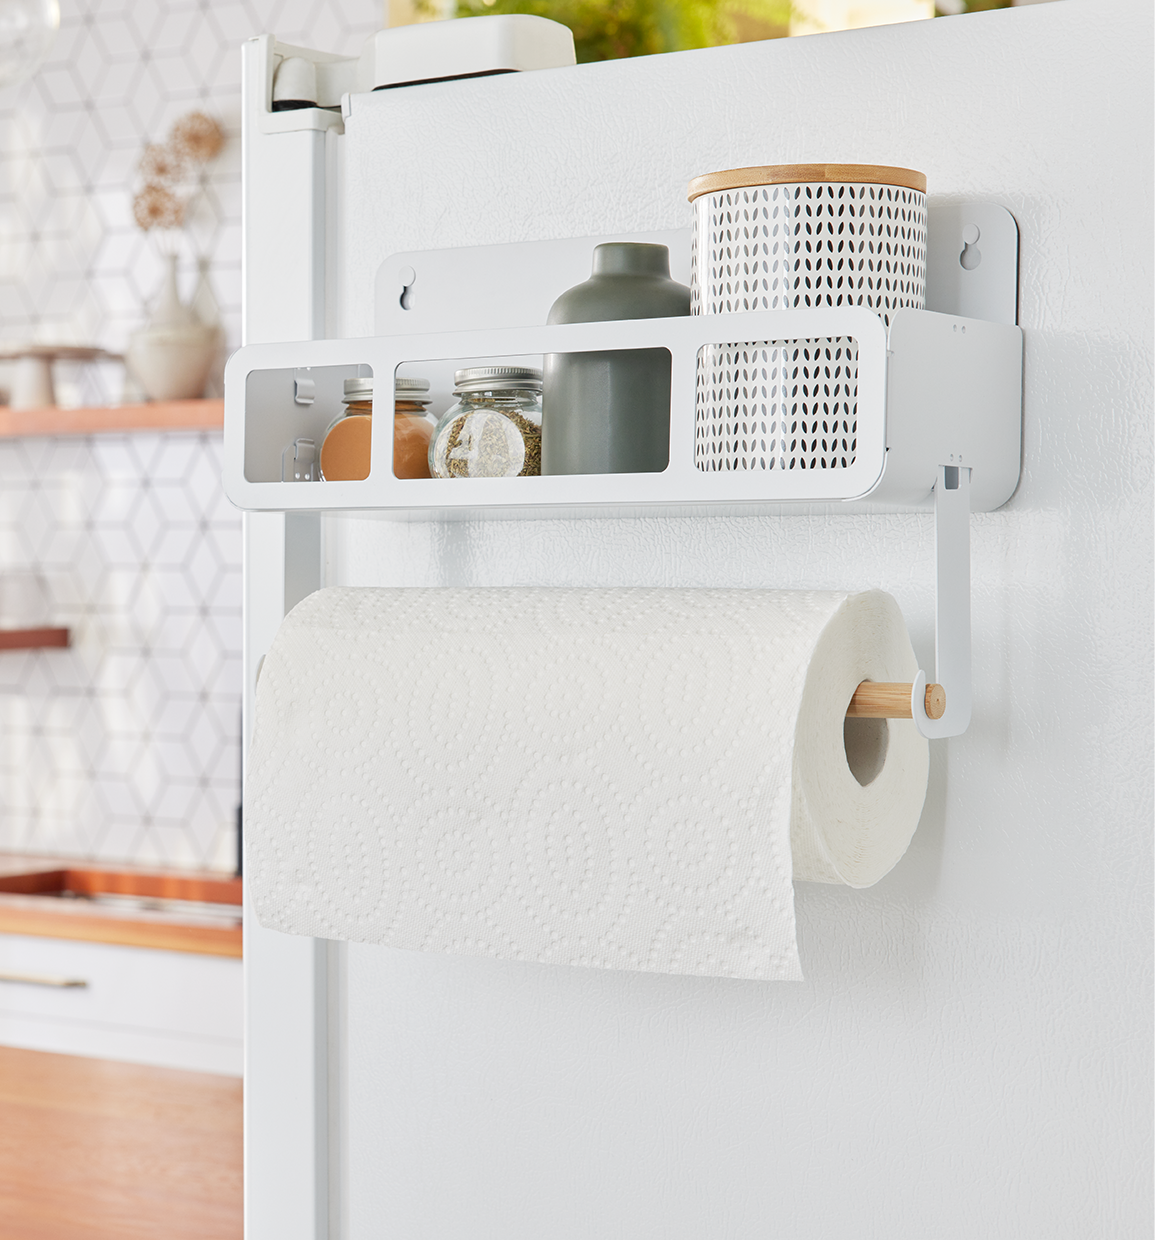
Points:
x=141 y=1005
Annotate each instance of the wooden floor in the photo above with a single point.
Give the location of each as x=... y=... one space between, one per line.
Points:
x=94 y=1150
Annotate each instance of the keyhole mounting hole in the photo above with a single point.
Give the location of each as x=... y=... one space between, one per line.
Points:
x=970 y=258
x=867 y=741
x=406 y=279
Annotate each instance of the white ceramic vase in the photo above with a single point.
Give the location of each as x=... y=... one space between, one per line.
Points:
x=170 y=357
x=205 y=309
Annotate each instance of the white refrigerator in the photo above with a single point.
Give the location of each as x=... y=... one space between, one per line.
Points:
x=967 y=1055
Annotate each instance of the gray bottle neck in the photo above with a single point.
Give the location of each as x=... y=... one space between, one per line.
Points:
x=630 y=258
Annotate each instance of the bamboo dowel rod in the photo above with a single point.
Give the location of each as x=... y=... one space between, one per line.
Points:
x=882 y=700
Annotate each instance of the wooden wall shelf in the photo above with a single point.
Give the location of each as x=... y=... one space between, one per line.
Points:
x=33 y=639
x=161 y=415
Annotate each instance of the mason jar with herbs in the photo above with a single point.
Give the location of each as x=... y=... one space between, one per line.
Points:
x=493 y=429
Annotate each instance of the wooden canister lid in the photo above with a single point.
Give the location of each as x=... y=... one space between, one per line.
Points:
x=788 y=174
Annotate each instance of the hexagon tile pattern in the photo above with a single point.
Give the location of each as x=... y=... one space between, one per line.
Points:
x=125 y=746
x=74 y=268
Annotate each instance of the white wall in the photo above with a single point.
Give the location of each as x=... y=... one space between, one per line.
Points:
x=968 y=1055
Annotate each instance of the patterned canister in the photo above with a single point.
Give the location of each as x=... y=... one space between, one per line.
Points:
x=787 y=237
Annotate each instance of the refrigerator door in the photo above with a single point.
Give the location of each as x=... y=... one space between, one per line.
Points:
x=437 y=1098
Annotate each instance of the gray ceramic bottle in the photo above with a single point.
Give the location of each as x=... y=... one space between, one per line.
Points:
x=608 y=413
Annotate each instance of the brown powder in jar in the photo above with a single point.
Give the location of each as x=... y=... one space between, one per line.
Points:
x=346 y=450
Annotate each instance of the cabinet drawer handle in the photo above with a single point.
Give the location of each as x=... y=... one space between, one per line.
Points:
x=43 y=979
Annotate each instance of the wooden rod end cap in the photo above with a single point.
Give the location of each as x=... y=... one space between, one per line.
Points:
x=936 y=701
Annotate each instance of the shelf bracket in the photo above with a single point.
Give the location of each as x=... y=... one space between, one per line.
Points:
x=34 y=639
x=952 y=624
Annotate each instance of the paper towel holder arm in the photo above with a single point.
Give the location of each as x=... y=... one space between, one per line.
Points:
x=952 y=615
x=944 y=708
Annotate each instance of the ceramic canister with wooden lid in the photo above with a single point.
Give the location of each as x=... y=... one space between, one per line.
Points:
x=797 y=236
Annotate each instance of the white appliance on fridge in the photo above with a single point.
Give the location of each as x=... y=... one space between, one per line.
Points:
x=438 y=1098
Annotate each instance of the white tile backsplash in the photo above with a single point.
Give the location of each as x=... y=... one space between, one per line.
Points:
x=73 y=266
x=125 y=746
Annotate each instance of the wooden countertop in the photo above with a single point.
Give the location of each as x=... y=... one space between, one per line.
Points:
x=54 y=897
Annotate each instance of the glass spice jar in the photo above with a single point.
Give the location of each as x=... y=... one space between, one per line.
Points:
x=346 y=450
x=413 y=428
x=493 y=430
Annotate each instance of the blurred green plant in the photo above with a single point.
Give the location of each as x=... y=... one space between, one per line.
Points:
x=613 y=29
x=951 y=8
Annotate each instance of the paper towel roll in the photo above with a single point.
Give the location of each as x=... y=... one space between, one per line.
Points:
x=622 y=779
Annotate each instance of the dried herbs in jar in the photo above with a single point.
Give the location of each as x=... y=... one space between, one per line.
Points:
x=493 y=430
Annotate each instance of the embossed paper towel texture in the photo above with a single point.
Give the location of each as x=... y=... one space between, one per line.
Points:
x=577 y=776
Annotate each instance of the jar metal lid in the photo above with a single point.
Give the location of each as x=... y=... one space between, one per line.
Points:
x=499 y=379
x=793 y=174
x=410 y=386
x=362 y=388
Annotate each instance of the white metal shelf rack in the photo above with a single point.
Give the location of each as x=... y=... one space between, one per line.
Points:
x=938 y=390
x=938 y=394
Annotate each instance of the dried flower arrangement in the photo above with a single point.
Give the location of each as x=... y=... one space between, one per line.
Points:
x=172 y=356
x=173 y=174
